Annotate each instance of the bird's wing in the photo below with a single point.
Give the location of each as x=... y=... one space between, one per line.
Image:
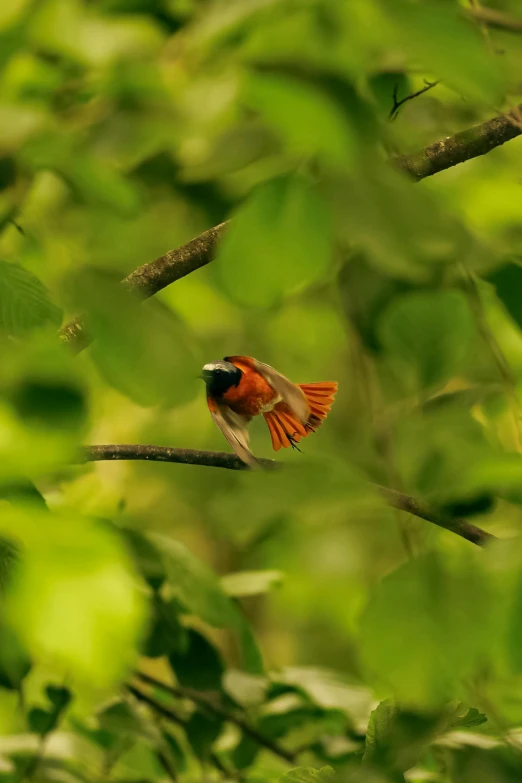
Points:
x=288 y=391
x=234 y=428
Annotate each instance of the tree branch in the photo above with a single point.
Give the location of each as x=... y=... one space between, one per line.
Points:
x=165 y=712
x=150 y=278
x=168 y=714
x=471 y=143
x=208 y=703
x=493 y=18
x=222 y=459
x=210 y=459
x=412 y=506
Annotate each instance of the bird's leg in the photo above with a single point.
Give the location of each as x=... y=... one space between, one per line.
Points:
x=293 y=442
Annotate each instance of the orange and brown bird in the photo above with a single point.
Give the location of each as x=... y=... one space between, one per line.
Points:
x=239 y=388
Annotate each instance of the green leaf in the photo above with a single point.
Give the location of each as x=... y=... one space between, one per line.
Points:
x=94 y=181
x=9 y=554
x=514 y=640
x=294 y=715
x=143 y=350
x=15 y=663
x=246 y=689
x=69 y=30
x=471 y=719
x=245 y=753
x=402 y=230
x=40 y=721
x=10 y=12
x=24 y=301
x=22 y=491
x=42 y=412
x=378 y=729
x=307 y=119
x=147 y=558
x=166 y=633
x=59 y=696
x=48 y=403
x=121 y=718
x=198 y=665
x=428 y=336
x=252 y=655
x=482 y=765
x=278 y=241
x=101 y=185
x=415 y=611
x=308 y=775
x=439 y=37
x=396 y=738
x=44 y=721
x=245 y=583
x=176 y=751
x=508 y=285
x=202 y=731
x=194 y=583
x=74 y=601
x=366 y=292
x=444 y=456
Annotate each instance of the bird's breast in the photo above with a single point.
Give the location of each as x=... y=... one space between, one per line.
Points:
x=252 y=395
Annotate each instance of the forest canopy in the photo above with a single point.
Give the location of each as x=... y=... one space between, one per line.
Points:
x=334 y=189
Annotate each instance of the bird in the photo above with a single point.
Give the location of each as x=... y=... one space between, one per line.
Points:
x=240 y=387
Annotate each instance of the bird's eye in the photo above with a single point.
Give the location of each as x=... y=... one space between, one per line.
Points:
x=218 y=372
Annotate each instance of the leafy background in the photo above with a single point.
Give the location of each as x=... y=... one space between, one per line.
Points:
x=191 y=623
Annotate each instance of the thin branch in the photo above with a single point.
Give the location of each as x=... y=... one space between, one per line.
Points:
x=397 y=104
x=170 y=715
x=208 y=703
x=411 y=505
x=167 y=765
x=471 y=143
x=160 y=709
x=210 y=459
x=150 y=278
x=222 y=459
x=493 y=18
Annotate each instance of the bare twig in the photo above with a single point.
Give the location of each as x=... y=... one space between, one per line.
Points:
x=493 y=18
x=398 y=103
x=209 y=704
x=222 y=459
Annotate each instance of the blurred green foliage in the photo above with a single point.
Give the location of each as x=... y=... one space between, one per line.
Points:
x=174 y=622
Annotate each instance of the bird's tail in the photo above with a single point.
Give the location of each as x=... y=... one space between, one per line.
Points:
x=286 y=429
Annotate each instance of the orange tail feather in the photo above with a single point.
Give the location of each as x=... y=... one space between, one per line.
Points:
x=286 y=429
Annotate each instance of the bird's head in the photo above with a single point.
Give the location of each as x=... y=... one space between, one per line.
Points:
x=220 y=376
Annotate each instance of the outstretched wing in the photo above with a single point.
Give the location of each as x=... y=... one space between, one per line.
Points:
x=234 y=428
x=288 y=391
